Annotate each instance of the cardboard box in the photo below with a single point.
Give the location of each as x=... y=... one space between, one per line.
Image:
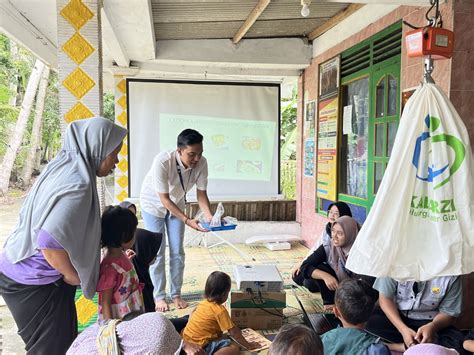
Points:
x=271 y=300
x=256 y=318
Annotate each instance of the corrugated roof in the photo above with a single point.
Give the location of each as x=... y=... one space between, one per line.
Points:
x=199 y=19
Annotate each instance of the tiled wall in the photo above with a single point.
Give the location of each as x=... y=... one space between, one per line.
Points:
x=461 y=95
x=455 y=76
x=462 y=74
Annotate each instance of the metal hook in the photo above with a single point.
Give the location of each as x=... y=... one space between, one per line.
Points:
x=428 y=69
x=437 y=19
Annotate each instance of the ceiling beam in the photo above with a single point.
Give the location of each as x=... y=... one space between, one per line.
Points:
x=333 y=21
x=209 y=72
x=132 y=24
x=253 y=16
x=263 y=52
x=350 y=26
x=16 y=26
x=113 y=43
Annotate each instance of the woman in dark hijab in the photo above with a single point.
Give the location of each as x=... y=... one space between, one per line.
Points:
x=146 y=247
x=128 y=205
x=145 y=250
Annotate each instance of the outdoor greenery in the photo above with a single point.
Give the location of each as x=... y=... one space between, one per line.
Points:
x=288 y=147
x=109 y=106
x=16 y=65
x=288 y=179
x=288 y=128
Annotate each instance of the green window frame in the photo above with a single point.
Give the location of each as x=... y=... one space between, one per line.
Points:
x=377 y=60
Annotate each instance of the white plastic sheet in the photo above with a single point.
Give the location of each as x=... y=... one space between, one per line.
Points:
x=421 y=223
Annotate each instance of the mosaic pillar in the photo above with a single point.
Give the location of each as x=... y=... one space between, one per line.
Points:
x=121 y=171
x=80 y=87
x=80 y=59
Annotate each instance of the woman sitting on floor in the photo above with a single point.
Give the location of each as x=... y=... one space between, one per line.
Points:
x=327 y=264
x=335 y=210
x=149 y=333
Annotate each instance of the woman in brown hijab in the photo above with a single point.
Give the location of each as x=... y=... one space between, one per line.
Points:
x=327 y=264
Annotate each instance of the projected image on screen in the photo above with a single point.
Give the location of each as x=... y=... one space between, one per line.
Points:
x=239 y=122
x=235 y=149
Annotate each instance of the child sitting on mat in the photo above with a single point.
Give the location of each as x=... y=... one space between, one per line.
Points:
x=210 y=319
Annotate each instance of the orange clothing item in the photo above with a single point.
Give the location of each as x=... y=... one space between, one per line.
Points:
x=207 y=323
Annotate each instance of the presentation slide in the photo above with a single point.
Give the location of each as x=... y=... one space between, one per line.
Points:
x=239 y=122
x=235 y=149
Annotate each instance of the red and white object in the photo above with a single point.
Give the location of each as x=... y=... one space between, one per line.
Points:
x=430 y=41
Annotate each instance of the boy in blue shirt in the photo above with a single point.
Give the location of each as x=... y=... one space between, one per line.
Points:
x=354 y=304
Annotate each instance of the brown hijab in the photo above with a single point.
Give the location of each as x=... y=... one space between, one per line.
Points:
x=338 y=255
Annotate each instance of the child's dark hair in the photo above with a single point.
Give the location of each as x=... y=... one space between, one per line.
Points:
x=355 y=300
x=296 y=339
x=217 y=287
x=189 y=137
x=118 y=226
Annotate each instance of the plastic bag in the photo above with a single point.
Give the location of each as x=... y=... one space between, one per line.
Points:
x=228 y=220
x=421 y=224
x=216 y=219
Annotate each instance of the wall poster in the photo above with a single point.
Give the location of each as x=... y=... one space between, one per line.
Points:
x=328 y=113
x=309 y=118
x=309 y=157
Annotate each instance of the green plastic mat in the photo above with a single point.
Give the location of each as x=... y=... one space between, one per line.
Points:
x=86 y=310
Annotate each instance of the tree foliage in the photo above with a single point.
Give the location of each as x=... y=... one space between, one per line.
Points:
x=16 y=64
x=109 y=106
x=51 y=132
x=288 y=128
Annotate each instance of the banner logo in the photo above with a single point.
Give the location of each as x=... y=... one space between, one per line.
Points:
x=430 y=172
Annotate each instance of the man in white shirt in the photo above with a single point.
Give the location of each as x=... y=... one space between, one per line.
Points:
x=163 y=199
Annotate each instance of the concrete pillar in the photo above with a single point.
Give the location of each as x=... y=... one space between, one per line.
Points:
x=80 y=88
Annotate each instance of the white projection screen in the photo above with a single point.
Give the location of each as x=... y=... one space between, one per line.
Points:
x=240 y=123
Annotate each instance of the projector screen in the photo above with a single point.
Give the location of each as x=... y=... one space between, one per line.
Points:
x=239 y=122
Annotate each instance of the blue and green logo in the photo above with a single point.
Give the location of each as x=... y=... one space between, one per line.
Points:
x=433 y=172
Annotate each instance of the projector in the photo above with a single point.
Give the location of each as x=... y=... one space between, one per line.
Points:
x=265 y=278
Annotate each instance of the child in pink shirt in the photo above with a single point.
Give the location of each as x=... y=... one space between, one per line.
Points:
x=118 y=286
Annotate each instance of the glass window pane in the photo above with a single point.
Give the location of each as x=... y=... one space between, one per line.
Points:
x=380 y=98
x=392 y=96
x=378 y=175
x=392 y=132
x=379 y=136
x=354 y=146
